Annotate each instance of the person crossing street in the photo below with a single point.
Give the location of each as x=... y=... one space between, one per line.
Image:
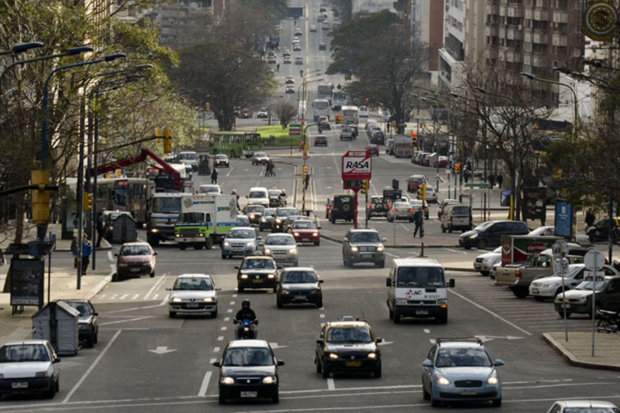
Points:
x=418 y=220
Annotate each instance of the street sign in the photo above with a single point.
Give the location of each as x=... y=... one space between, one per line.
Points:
x=294 y=129
x=356 y=165
x=594 y=260
x=560 y=249
x=353 y=184
x=392 y=194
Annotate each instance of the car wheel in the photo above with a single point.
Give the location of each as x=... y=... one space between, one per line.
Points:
x=221 y=399
x=96 y=337
x=319 y=303
x=209 y=243
x=274 y=289
x=538 y=298
x=214 y=313
x=520 y=292
x=152 y=274
x=90 y=341
x=317 y=243
x=276 y=398
x=484 y=273
x=325 y=371
x=377 y=372
x=318 y=365
x=279 y=303
x=396 y=318
x=240 y=289
x=425 y=395
x=198 y=245
x=497 y=402
x=443 y=229
x=223 y=256
x=434 y=402
x=481 y=244
x=443 y=319
x=380 y=264
x=450 y=229
x=49 y=394
x=172 y=314
x=183 y=247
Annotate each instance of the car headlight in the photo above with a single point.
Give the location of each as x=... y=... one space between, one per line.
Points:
x=493 y=380
x=176 y=300
x=244 y=276
x=271 y=276
x=226 y=244
x=154 y=230
x=583 y=299
x=263 y=220
x=473 y=236
x=354 y=249
x=227 y=380
x=401 y=301
x=293 y=251
x=380 y=249
x=252 y=216
x=278 y=220
x=208 y=300
x=442 y=381
x=269 y=380
x=333 y=356
x=267 y=251
x=372 y=355
x=249 y=244
x=285 y=292
x=296 y=234
x=177 y=235
x=42 y=374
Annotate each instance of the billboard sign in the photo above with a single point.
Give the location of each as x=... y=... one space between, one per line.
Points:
x=356 y=165
x=27 y=282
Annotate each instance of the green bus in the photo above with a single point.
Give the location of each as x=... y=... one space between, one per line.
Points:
x=234 y=144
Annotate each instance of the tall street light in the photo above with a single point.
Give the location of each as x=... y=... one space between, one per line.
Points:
x=572 y=89
x=21 y=47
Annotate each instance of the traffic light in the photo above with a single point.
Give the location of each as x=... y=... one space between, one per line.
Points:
x=167 y=140
x=393 y=124
x=157 y=134
x=457 y=168
x=304 y=172
x=87 y=202
x=367 y=102
x=40 y=197
x=337 y=121
x=208 y=107
x=365 y=186
x=414 y=139
x=422 y=192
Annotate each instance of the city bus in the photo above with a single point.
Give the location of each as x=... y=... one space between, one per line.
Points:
x=234 y=144
x=324 y=90
x=339 y=99
x=350 y=115
x=320 y=107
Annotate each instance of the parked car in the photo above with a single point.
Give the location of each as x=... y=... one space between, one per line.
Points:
x=193 y=294
x=299 y=285
x=263 y=114
x=583 y=406
x=600 y=230
x=256 y=272
x=88 y=325
x=135 y=259
x=579 y=299
x=551 y=286
x=489 y=234
x=484 y=263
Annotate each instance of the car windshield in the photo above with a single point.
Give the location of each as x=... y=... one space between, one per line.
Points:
x=483 y=226
x=274 y=193
x=421 y=277
x=460 y=210
x=209 y=189
x=349 y=335
x=280 y=240
x=589 y=285
x=23 y=352
x=224 y=157
x=364 y=237
x=191 y=218
x=298 y=277
x=242 y=233
x=258 y=264
x=287 y=212
x=167 y=205
x=135 y=250
x=188 y=156
x=304 y=225
x=269 y=212
x=193 y=284
x=255 y=209
x=257 y=194
x=248 y=356
x=463 y=357
x=260 y=154
x=81 y=307
x=243 y=221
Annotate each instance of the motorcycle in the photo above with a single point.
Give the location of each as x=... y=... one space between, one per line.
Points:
x=608 y=321
x=245 y=330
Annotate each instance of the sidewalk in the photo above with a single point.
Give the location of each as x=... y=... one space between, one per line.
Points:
x=64 y=283
x=578 y=350
x=30 y=234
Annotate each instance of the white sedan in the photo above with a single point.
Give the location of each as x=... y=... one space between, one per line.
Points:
x=550 y=287
x=193 y=294
x=29 y=366
x=485 y=262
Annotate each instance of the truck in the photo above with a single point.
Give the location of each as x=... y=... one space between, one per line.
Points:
x=204 y=220
x=164 y=209
x=403 y=146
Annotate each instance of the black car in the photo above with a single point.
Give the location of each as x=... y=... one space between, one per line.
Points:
x=257 y=272
x=347 y=346
x=248 y=370
x=377 y=207
x=88 y=327
x=342 y=208
x=254 y=213
x=280 y=217
x=377 y=138
x=267 y=219
x=600 y=230
x=299 y=285
x=489 y=234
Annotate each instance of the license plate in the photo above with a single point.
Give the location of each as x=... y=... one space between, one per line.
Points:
x=248 y=394
x=255 y=281
x=19 y=385
x=192 y=305
x=135 y=270
x=535 y=291
x=300 y=297
x=468 y=392
x=367 y=253
x=353 y=363
x=305 y=239
x=421 y=312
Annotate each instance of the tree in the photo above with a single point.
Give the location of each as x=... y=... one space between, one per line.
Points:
x=285 y=111
x=223 y=67
x=343 y=9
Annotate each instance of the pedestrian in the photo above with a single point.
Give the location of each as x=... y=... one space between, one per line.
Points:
x=500 y=180
x=99 y=229
x=267 y=169
x=492 y=180
x=418 y=220
x=87 y=249
x=306 y=181
x=273 y=169
x=590 y=217
x=2 y=262
x=214 y=176
x=278 y=67
x=74 y=251
x=466 y=174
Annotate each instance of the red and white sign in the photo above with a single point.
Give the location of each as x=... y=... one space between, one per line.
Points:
x=356 y=165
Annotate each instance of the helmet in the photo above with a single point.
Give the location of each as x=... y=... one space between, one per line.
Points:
x=245 y=303
x=234 y=192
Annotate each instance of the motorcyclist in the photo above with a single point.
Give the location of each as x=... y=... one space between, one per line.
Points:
x=246 y=313
x=282 y=198
x=234 y=192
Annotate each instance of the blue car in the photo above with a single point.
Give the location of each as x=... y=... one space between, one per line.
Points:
x=460 y=370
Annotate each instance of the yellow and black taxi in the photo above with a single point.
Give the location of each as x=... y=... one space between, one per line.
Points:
x=348 y=346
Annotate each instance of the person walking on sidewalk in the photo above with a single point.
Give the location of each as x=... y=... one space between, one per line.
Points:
x=214 y=176
x=87 y=249
x=500 y=180
x=590 y=218
x=306 y=181
x=492 y=180
x=2 y=262
x=99 y=229
x=74 y=251
x=418 y=220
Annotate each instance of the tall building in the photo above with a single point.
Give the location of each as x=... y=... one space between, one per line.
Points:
x=452 y=54
x=372 y=6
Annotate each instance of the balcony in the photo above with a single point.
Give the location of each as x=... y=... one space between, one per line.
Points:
x=492 y=9
x=559 y=39
x=514 y=34
x=490 y=54
x=491 y=31
x=514 y=10
x=513 y=57
x=541 y=15
x=540 y=38
x=560 y=16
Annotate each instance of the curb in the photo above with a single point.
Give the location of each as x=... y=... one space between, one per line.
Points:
x=100 y=286
x=574 y=361
x=107 y=247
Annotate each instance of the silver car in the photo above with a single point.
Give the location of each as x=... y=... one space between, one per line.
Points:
x=240 y=241
x=484 y=263
x=193 y=294
x=282 y=248
x=400 y=210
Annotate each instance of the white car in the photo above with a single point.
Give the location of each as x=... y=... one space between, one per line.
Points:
x=193 y=294
x=210 y=189
x=363 y=112
x=431 y=194
x=282 y=248
x=258 y=195
x=313 y=28
x=485 y=262
x=550 y=287
x=583 y=406
x=263 y=114
x=260 y=158
x=29 y=366
x=542 y=231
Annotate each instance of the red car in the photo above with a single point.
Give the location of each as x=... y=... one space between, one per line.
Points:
x=135 y=259
x=320 y=140
x=372 y=150
x=306 y=231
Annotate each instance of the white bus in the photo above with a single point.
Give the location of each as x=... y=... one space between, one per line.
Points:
x=350 y=114
x=320 y=107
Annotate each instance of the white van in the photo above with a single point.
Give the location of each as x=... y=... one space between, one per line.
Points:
x=363 y=112
x=258 y=196
x=456 y=217
x=417 y=288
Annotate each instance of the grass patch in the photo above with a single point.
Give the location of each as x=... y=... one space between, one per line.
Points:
x=281 y=135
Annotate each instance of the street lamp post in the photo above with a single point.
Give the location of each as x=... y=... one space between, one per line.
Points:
x=21 y=47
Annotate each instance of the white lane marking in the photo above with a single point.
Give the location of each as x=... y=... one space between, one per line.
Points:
x=427 y=331
x=216 y=349
x=229 y=310
x=205 y=384
x=110 y=256
x=155 y=286
x=227 y=319
x=213 y=360
x=406 y=227
x=220 y=338
x=337 y=166
x=124 y=296
x=330 y=384
x=229 y=171
x=127 y=320
x=491 y=313
x=432 y=340
x=155 y=296
x=91 y=368
x=232 y=303
x=224 y=328
x=234 y=295
x=113 y=296
x=322 y=315
x=135 y=297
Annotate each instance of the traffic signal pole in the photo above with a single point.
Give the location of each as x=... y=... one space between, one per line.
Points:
x=355 y=191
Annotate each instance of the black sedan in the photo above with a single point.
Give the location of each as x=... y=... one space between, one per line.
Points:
x=257 y=272
x=87 y=323
x=248 y=371
x=299 y=285
x=600 y=230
